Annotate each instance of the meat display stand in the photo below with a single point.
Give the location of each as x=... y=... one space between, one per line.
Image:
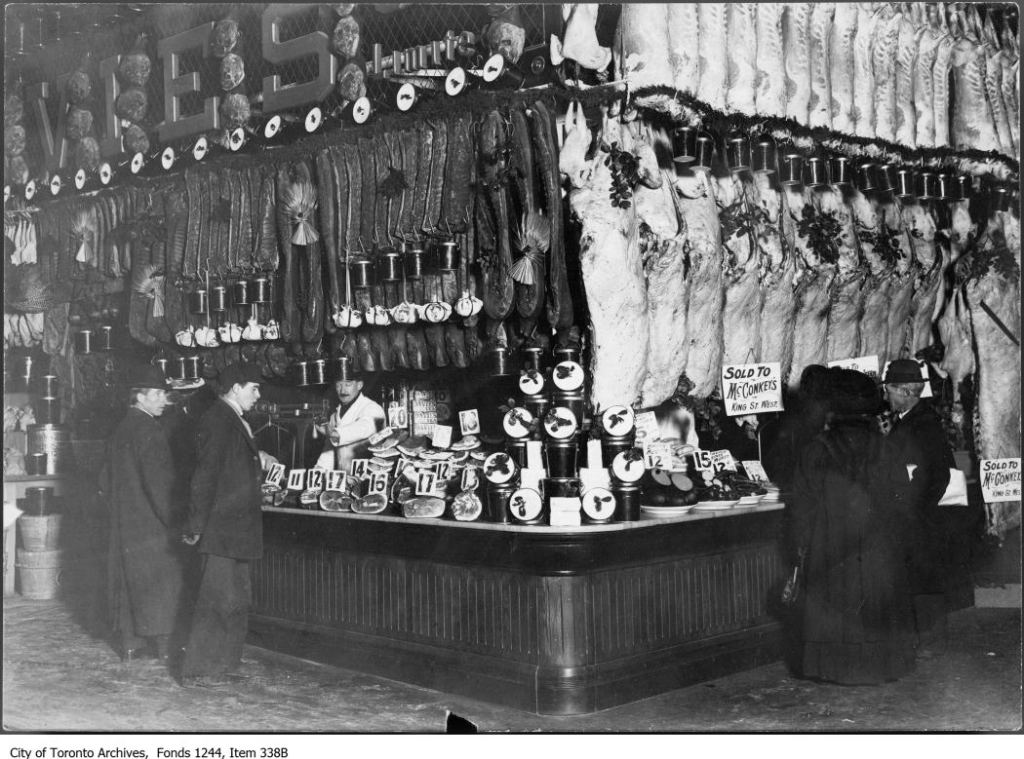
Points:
x=544 y=619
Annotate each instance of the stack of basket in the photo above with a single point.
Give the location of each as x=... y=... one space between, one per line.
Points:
x=38 y=559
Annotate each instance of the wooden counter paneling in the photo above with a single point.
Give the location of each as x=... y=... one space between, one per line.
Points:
x=548 y=621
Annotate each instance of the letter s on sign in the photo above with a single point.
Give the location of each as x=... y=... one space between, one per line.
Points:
x=277 y=97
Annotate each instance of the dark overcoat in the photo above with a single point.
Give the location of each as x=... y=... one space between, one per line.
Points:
x=922 y=441
x=224 y=503
x=145 y=525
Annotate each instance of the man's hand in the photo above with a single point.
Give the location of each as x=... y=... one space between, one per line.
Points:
x=267 y=461
x=190 y=539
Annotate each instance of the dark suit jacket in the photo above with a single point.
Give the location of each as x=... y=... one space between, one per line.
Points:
x=224 y=505
x=922 y=440
x=145 y=520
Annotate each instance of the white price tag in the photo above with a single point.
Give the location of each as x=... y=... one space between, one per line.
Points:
x=274 y=475
x=469 y=422
x=358 y=468
x=751 y=388
x=442 y=436
x=646 y=427
x=1000 y=480
x=865 y=364
x=755 y=471
x=336 y=480
x=426 y=482
x=702 y=460
x=669 y=455
x=443 y=470
x=297 y=479
x=722 y=460
x=398 y=417
x=315 y=479
x=378 y=483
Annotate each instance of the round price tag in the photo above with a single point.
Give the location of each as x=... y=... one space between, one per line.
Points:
x=525 y=505
x=517 y=422
x=599 y=503
x=568 y=375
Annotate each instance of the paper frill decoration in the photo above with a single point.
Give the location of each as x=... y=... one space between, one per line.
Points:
x=534 y=239
x=84 y=234
x=300 y=202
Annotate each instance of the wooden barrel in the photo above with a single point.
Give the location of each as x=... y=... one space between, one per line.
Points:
x=39 y=533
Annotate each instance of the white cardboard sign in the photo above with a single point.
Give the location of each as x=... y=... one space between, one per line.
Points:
x=1000 y=480
x=865 y=364
x=755 y=471
x=442 y=436
x=751 y=388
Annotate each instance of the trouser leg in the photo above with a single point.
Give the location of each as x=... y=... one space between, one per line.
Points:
x=220 y=620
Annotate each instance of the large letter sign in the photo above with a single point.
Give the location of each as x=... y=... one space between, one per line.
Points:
x=278 y=97
x=176 y=126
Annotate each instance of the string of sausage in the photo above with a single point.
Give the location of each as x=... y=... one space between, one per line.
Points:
x=368 y=166
x=435 y=188
x=559 y=304
x=328 y=198
x=290 y=326
x=498 y=297
x=311 y=282
x=529 y=298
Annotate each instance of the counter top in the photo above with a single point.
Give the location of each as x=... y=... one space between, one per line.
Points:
x=646 y=520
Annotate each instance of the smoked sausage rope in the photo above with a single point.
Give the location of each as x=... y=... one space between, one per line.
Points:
x=368 y=165
x=312 y=270
x=290 y=324
x=268 y=255
x=499 y=295
x=435 y=188
x=328 y=212
x=559 y=302
x=456 y=190
x=529 y=298
x=426 y=145
x=380 y=217
x=355 y=184
x=410 y=159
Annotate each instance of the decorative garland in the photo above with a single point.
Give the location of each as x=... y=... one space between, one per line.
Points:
x=685 y=107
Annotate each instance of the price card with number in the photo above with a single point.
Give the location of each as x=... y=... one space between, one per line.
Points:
x=702 y=460
x=426 y=482
x=441 y=436
x=336 y=480
x=665 y=454
x=723 y=460
x=315 y=479
x=274 y=475
x=443 y=470
x=646 y=426
x=398 y=417
x=378 y=483
x=755 y=471
x=469 y=422
x=358 y=468
x=297 y=479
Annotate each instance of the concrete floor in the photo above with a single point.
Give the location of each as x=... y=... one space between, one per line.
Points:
x=57 y=677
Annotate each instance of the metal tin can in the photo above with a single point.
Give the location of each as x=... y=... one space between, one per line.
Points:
x=517 y=450
x=83 y=342
x=496 y=503
x=240 y=292
x=573 y=400
x=537 y=405
x=48 y=411
x=55 y=441
x=627 y=502
x=560 y=458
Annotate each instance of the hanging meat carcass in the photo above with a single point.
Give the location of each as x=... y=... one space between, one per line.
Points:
x=863 y=105
x=842 y=64
x=699 y=212
x=903 y=275
x=940 y=78
x=642 y=45
x=820 y=106
x=843 y=332
x=613 y=280
x=884 y=51
x=741 y=317
x=742 y=55
x=770 y=98
x=994 y=301
x=973 y=124
x=993 y=55
x=796 y=38
x=924 y=91
x=712 y=47
x=932 y=261
x=876 y=249
x=684 y=36
x=1011 y=84
x=814 y=284
x=778 y=298
x=906 y=59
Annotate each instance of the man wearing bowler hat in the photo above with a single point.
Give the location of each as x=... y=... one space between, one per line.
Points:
x=144 y=559
x=918 y=433
x=225 y=522
x=356 y=418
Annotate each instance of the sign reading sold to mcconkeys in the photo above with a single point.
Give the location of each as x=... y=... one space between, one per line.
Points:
x=1000 y=479
x=751 y=388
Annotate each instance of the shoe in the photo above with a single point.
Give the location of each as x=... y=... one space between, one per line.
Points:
x=136 y=654
x=204 y=681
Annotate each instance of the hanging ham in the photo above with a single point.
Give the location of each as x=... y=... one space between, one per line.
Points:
x=843 y=334
x=742 y=314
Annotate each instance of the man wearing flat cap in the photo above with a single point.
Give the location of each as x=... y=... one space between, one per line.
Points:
x=917 y=432
x=144 y=560
x=226 y=524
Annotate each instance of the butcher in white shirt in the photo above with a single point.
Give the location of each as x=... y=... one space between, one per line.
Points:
x=356 y=418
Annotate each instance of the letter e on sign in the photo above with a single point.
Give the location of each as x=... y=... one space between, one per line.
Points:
x=176 y=126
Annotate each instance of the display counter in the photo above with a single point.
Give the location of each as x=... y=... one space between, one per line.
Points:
x=548 y=620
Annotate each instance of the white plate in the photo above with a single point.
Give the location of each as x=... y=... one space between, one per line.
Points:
x=714 y=505
x=749 y=500
x=669 y=511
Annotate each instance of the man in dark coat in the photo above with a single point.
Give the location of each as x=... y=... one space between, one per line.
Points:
x=145 y=570
x=917 y=433
x=226 y=523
